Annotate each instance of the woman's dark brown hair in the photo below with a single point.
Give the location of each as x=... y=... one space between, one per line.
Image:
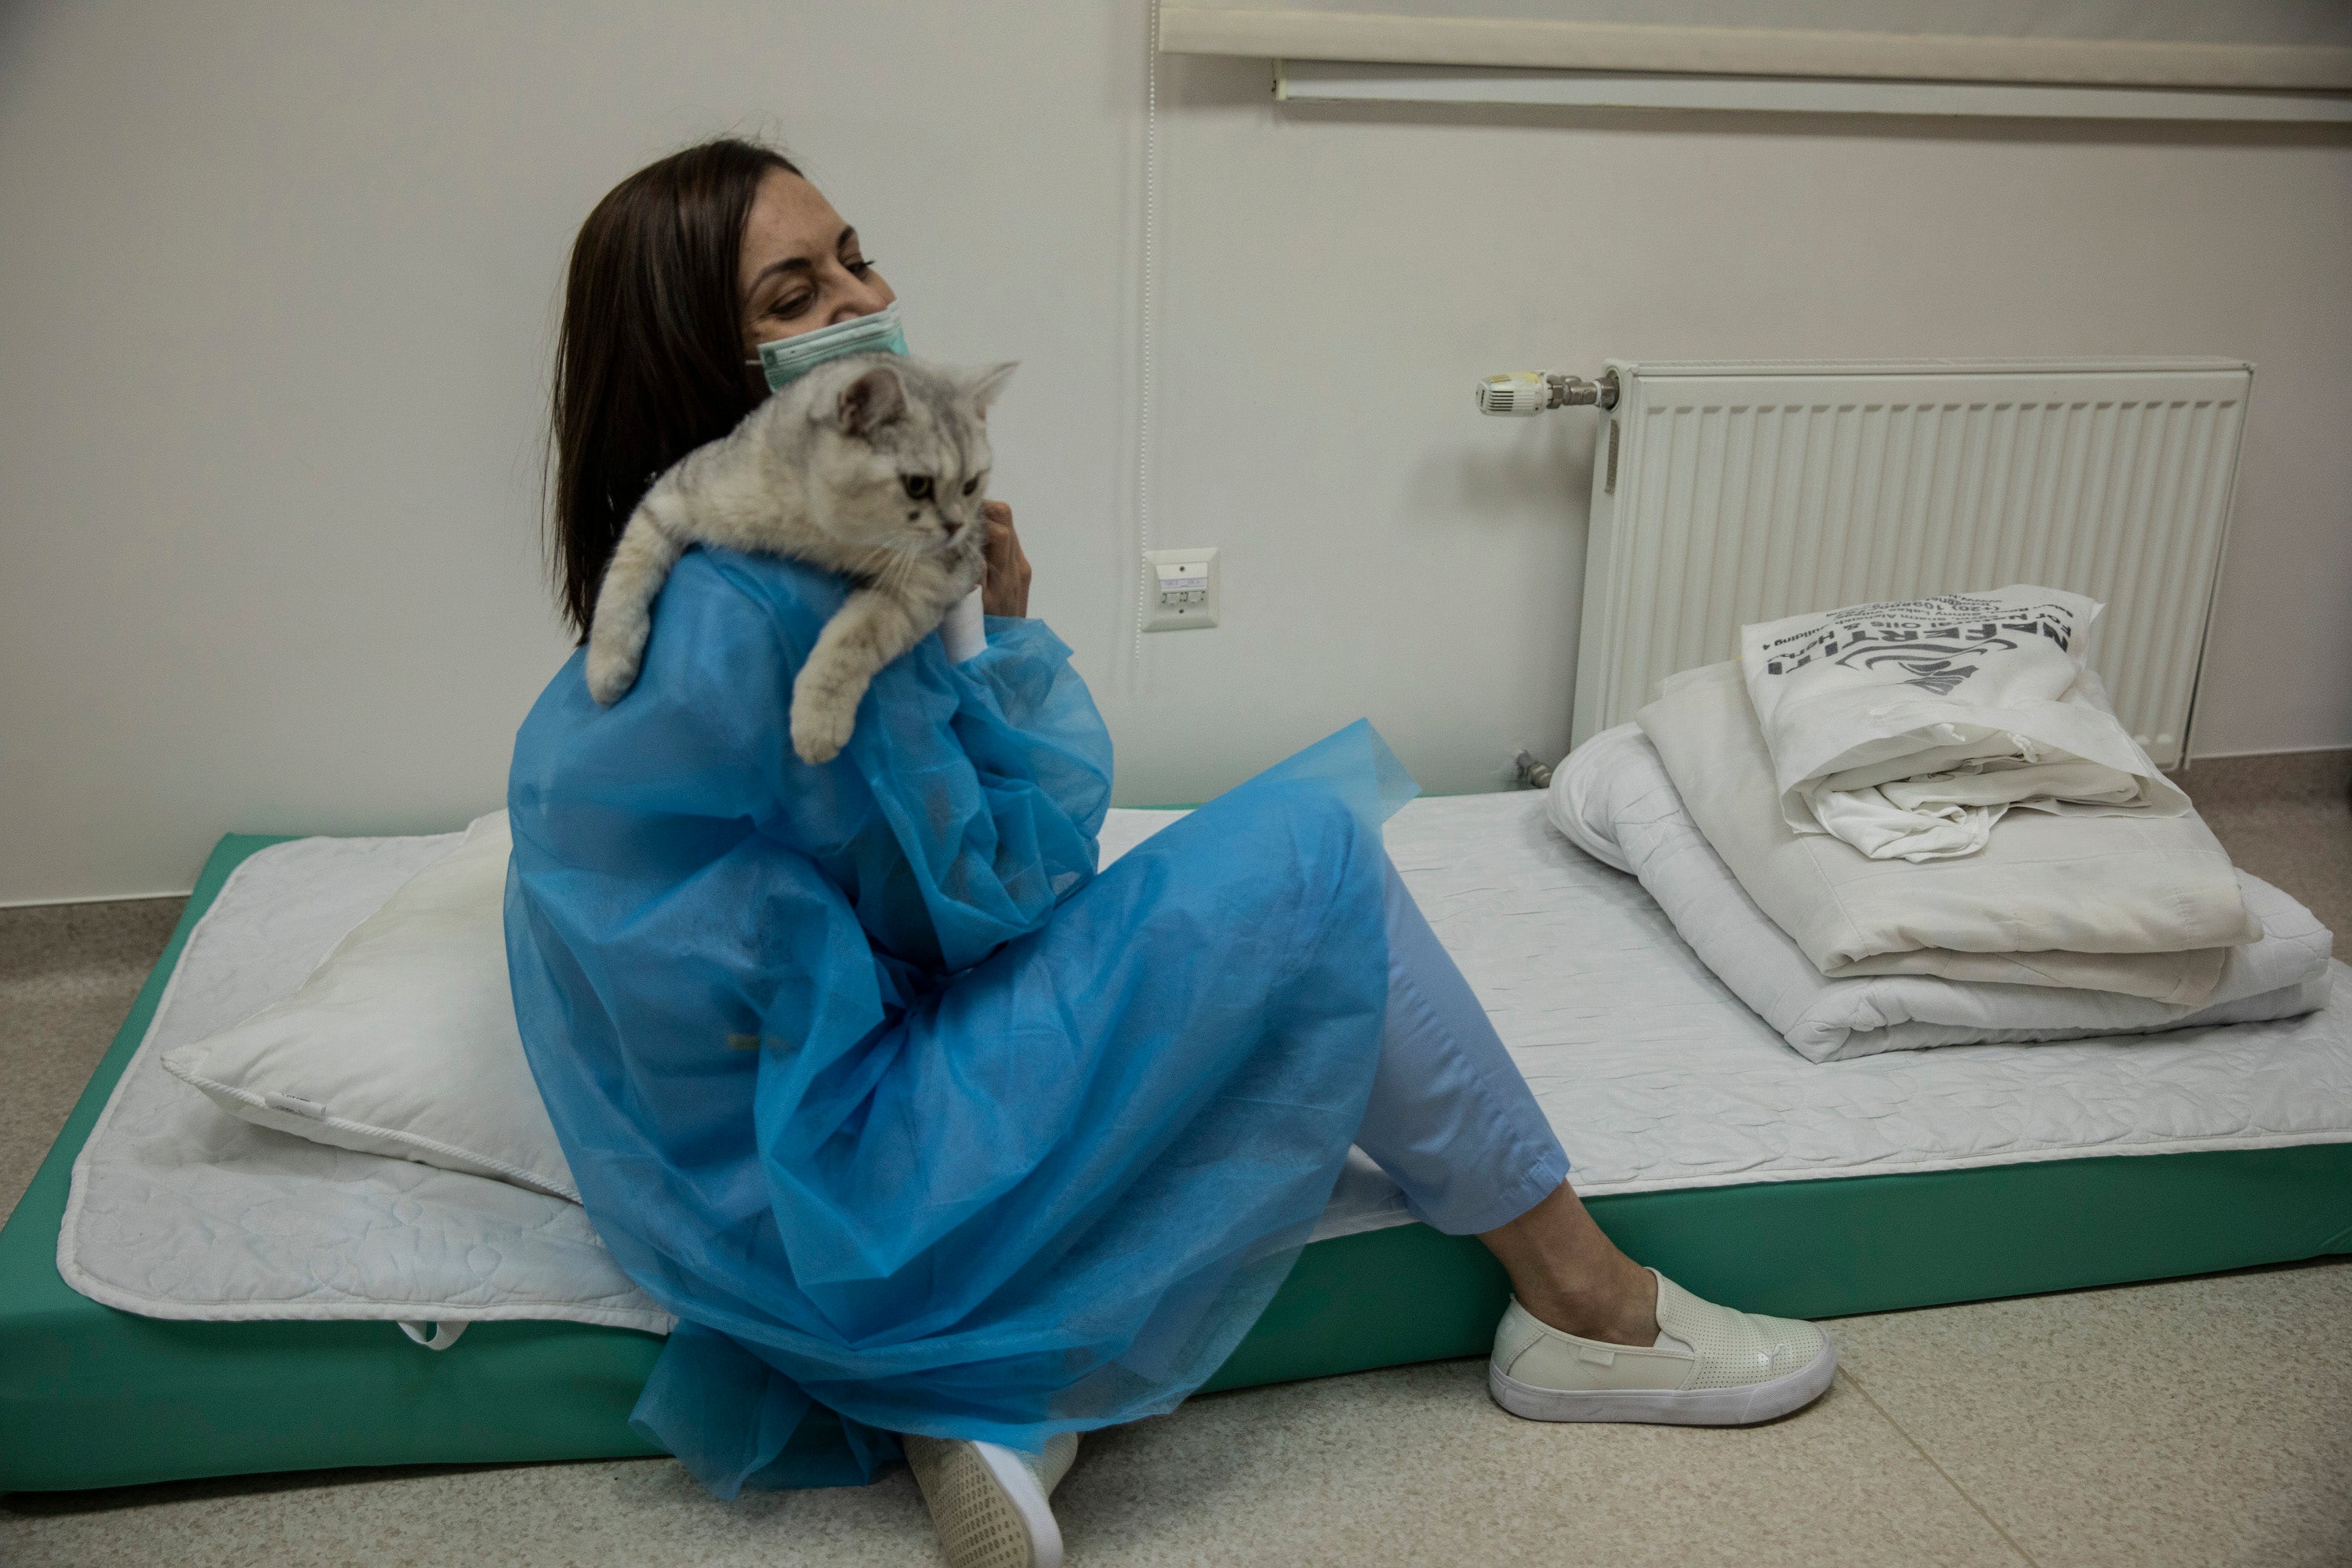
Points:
x=649 y=363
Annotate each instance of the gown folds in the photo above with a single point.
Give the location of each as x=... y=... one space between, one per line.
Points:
x=914 y=1122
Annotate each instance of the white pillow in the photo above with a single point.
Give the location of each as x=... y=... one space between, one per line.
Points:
x=403 y=1042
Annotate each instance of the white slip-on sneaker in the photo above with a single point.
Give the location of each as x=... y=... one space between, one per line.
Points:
x=989 y=1502
x=1711 y=1367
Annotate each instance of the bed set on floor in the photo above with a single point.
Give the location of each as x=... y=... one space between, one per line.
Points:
x=191 y=1288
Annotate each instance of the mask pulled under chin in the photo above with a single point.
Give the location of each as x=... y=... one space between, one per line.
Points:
x=786 y=360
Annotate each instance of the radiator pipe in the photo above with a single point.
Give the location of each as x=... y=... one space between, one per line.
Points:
x=1575 y=391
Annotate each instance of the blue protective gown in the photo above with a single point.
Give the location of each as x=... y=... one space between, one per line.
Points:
x=915 y=1123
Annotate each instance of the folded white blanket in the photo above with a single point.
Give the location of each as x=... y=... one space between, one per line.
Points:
x=1908 y=729
x=2133 y=904
x=1612 y=799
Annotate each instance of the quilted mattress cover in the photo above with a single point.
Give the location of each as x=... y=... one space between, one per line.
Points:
x=1655 y=1077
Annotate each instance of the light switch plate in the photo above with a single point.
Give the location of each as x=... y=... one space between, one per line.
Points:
x=1180 y=589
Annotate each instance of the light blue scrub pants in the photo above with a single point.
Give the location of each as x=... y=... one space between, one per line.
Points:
x=1451 y=1120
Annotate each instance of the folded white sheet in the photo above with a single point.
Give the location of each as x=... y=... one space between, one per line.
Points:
x=2140 y=905
x=1909 y=729
x=1612 y=799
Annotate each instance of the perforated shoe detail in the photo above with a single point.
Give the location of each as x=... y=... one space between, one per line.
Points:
x=1050 y=1466
x=1735 y=1349
x=980 y=1525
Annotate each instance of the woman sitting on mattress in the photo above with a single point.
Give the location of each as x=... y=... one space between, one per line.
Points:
x=936 y=1141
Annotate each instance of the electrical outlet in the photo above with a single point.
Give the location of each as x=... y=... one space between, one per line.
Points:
x=1180 y=589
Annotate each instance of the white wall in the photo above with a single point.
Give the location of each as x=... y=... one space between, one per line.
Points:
x=277 y=285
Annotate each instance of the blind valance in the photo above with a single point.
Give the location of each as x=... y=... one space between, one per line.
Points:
x=2291 y=44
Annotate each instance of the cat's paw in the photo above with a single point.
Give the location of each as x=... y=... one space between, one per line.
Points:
x=821 y=727
x=612 y=670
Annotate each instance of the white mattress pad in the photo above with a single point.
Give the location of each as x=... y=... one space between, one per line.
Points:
x=1654 y=1076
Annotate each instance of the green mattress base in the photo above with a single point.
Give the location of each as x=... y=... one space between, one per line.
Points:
x=90 y=1396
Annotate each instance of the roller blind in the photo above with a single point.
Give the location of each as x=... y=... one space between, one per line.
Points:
x=2293 y=45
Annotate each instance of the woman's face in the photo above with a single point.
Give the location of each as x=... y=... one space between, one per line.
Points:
x=801 y=267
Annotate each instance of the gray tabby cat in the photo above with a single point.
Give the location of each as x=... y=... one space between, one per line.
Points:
x=873 y=467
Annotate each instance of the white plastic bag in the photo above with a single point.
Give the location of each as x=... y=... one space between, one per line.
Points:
x=1907 y=729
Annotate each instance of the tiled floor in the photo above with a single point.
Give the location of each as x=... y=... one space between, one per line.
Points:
x=2193 y=1422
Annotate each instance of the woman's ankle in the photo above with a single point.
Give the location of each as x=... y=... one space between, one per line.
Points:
x=1568 y=1273
x=1615 y=1306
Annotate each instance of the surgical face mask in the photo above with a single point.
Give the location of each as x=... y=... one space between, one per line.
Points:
x=788 y=359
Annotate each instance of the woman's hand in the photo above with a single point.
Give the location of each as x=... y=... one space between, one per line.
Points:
x=1004 y=590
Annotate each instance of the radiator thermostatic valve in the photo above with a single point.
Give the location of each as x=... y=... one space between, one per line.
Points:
x=1518 y=392
x=1524 y=391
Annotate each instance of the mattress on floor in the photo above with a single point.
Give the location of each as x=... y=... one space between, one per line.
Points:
x=178 y=1210
x=1705 y=1141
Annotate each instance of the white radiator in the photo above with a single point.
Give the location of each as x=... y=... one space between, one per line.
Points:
x=1725 y=494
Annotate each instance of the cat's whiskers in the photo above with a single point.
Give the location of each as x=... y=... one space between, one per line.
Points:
x=898 y=571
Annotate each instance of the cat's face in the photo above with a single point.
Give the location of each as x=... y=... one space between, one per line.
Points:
x=899 y=457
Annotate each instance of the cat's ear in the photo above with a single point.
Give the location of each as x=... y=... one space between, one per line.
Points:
x=874 y=399
x=982 y=385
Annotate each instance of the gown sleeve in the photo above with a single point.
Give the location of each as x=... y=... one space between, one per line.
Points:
x=993 y=776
